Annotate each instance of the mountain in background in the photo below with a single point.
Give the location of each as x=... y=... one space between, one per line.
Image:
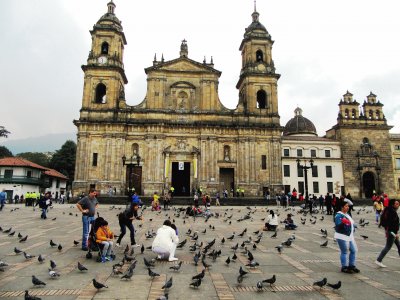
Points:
x=44 y=143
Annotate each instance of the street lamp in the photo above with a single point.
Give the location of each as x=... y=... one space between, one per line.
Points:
x=305 y=168
x=130 y=163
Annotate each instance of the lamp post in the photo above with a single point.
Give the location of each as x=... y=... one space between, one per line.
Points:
x=131 y=162
x=305 y=168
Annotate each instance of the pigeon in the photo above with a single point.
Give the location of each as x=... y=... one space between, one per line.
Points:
x=231 y=237
x=81 y=267
x=205 y=265
x=235 y=247
x=196 y=259
x=239 y=279
x=116 y=270
x=30 y=297
x=152 y=274
x=28 y=256
x=168 y=284
x=142 y=249
x=52 y=244
x=176 y=267
x=54 y=219
x=19 y=235
x=59 y=247
x=23 y=239
x=76 y=243
x=242 y=272
x=364 y=237
x=53 y=264
x=250 y=256
x=223 y=240
x=53 y=274
x=163 y=297
x=274 y=235
x=37 y=281
x=320 y=283
x=323 y=245
x=98 y=285
x=128 y=274
x=252 y=264
x=147 y=263
x=17 y=251
x=41 y=258
x=3 y=264
x=259 y=285
x=181 y=244
x=8 y=230
x=196 y=283
x=200 y=275
x=234 y=257
x=11 y=233
x=279 y=248
x=228 y=260
x=271 y=280
x=126 y=251
x=335 y=286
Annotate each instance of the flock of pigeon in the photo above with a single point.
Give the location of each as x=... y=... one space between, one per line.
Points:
x=204 y=252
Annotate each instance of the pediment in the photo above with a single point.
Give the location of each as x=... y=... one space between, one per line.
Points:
x=184 y=66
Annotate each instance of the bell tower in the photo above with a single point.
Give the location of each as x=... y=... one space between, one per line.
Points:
x=105 y=77
x=258 y=81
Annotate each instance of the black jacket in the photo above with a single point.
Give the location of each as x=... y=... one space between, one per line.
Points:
x=390 y=220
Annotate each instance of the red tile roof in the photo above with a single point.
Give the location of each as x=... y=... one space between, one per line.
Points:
x=19 y=162
x=54 y=173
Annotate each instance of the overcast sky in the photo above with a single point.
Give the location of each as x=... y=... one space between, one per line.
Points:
x=322 y=49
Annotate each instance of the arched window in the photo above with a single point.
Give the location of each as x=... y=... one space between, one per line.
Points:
x=365 y=140
x=259 y=56
x=104 y=48
x=101 y=91
x=353 y=113
x=261 y=99
x=377 y=114
x=370 y=114
x=346 y=113
x=227 y=153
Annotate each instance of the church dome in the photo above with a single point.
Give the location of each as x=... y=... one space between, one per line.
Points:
x=256 y=29
x=109 y=19
x=299 y=125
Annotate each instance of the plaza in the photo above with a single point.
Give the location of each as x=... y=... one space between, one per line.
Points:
x=296 y=268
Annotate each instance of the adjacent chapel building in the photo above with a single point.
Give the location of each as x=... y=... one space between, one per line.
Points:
x=181 y=135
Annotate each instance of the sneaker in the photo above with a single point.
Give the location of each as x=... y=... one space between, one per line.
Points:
x=136 y=245
x=118 y=245
x=380 y=264
x=103 y=259
x=354 y=269
x=346 y=270
x=159 y=257
x=107 y=258
x=173 y=259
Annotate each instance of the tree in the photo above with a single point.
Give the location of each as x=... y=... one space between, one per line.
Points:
x=4 y=152
x=36 y=157
x=4 y=132
x=64 y=160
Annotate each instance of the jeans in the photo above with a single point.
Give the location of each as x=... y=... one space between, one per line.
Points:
x=345 y=246
x=389 y=243
x=123 y=226
x=43 y=215
x=107 y=248
x=86 y=222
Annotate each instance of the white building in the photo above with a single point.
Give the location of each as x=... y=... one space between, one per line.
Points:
x=19 y=176
x=300 y=143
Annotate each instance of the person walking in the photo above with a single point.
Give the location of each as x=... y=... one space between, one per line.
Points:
x=321 y=202
x=44 y=203
x=389 y=221
x=3 y=197
x=344 y=235
x=164 y=245
x=125 y=220
x=328 y=204
x=378 y=207
x=87 y=206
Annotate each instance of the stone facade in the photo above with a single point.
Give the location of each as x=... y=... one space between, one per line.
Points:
x=364 y=138
x=395 y=148
x=181 y=134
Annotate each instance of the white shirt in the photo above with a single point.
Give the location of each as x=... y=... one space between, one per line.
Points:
x=272 y=220
x=165 y=237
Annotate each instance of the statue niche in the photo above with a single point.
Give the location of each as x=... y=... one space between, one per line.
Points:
x=183 y=95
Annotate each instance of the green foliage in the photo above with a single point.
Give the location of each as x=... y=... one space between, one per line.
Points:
x=4 y=132
x=4 y=152
x=36 y=157
x=64 y=160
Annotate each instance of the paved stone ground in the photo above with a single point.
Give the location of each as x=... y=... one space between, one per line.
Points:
x=295 y=269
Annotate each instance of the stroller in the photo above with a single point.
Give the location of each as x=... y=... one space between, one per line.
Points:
x=93 y=246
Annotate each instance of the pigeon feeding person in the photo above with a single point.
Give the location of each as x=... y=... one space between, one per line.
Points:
x=125 y=220
x=166 y=241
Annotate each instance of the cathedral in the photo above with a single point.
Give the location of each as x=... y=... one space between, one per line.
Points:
x=182 y=136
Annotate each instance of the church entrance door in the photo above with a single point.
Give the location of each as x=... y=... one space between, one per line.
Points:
x=227 y=179
x=181 y=178
x=368 y=184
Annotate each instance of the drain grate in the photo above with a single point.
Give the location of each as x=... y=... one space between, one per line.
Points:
x=282 y=288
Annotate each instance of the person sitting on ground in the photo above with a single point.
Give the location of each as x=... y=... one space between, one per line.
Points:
x=272 y=222
x=105 y=236
x=164 y=244
x=289 y=223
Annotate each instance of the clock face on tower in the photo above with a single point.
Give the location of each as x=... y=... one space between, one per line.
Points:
x=102 y=60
